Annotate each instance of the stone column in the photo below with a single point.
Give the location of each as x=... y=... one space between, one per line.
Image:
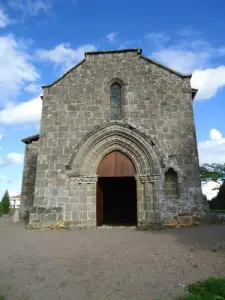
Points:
x=28 y=181
x=157 y=200
x=140 y=202
x=86 y=215
x=91 y=201
x=148 y=208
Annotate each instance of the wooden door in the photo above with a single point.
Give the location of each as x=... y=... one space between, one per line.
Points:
x=116 y=164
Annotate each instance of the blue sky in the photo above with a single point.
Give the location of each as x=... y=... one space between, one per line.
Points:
x=41 y=39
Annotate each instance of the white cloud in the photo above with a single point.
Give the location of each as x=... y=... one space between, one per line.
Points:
x=181 y=60
x=208 y=82
x=13 y=192
x=216 y=135
x=213 y=149
x=184 y=52
x=11 y=158
x=208 y=189
x=33 y=88
x=24 y=112
x=63 y=55
x=16 y=69
x=188 y=53
x=4 y=19
x=159 y=39
x=15 y=158
x=111 y=37
x=31 y=7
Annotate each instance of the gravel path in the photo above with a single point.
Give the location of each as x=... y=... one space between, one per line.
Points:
x=106 y=263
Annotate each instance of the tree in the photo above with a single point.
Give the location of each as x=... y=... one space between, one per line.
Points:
x=213 y=172
x=5 y=203
x=218 y=202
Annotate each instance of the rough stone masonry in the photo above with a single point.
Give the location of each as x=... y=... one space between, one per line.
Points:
x=148 y=116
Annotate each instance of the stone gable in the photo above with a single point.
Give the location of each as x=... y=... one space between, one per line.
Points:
x=156 y=104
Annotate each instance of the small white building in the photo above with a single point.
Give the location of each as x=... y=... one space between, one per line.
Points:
x=15 y=201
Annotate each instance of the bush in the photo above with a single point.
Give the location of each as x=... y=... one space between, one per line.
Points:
x=218 y=203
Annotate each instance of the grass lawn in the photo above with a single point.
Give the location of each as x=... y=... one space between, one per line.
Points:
x=219 y=211
x=210 y=289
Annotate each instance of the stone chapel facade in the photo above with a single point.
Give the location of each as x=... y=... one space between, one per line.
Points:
x=117 y=145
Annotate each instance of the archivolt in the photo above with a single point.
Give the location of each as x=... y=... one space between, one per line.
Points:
x=115 y=136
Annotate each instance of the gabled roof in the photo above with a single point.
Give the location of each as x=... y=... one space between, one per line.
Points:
x=16 y=197
x=137 y=50
x=30 y=139
x=57 y=80
x=165 y=67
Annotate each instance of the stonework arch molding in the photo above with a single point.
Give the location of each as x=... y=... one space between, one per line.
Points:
x=115 y=137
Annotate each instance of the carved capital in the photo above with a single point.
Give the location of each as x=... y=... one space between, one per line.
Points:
x=148 y=178
x=87 y=179
x=155 y=177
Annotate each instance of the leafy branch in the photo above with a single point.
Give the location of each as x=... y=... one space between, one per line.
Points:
x=213 y=172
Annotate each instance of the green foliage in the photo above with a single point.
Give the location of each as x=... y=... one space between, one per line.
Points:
x=5 y=203
x=217 y=211
x=2 y=297
x=213 y=172
x=192 y=297
x=210 y=289
x=218 y=202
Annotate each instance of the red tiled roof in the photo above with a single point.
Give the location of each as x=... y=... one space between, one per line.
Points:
x=17 y=196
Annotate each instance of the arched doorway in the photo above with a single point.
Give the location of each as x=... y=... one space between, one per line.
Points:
x=116 y=190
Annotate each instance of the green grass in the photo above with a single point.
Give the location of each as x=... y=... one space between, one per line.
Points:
x=218 y=211
x=210 y=289
x=2 y=297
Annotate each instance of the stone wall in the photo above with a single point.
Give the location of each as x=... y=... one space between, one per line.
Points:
x=156 y=101
x=28 y=181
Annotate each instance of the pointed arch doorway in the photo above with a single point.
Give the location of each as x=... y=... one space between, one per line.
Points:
x=116 y=199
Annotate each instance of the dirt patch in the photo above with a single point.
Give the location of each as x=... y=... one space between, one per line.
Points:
x=106 y=263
